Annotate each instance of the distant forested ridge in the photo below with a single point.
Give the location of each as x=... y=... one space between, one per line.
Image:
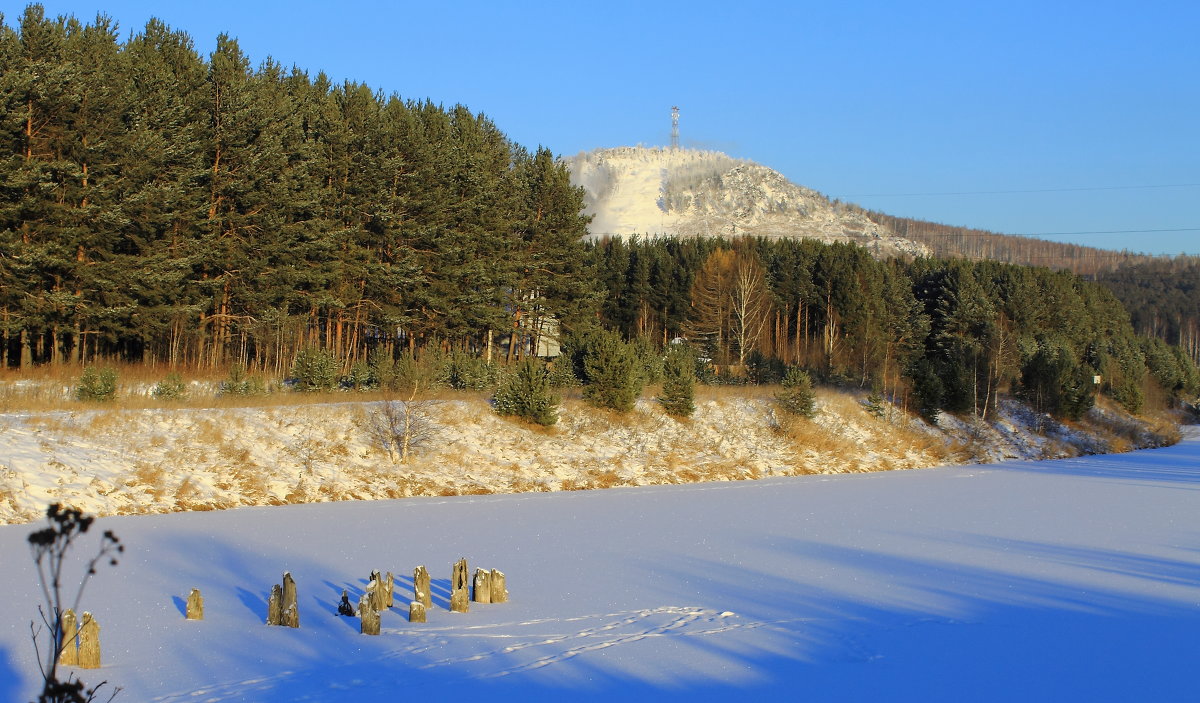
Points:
x=156 y=205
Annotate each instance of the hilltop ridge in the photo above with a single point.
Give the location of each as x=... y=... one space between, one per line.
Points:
x=689 y=193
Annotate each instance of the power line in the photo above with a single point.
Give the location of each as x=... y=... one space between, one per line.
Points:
x=1029 y=190
x=984 y=233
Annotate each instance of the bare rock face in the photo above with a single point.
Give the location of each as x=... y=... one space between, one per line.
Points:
x=499 y=587
x=416 y=611
x=459 y=587
x=195 y=605
x=89 y=643
x=368 y=616
x=483 y=586
x=69 y=653
x=421 y=592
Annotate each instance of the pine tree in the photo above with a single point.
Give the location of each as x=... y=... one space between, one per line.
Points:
x=613 y=377
x=797 y=397
x=525 y=392
x=678 y=396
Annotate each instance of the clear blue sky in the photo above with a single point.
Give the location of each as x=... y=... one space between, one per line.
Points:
x=936 y=110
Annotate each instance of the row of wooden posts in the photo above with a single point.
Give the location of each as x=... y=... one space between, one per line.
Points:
x=81 y=642
x=489 y=586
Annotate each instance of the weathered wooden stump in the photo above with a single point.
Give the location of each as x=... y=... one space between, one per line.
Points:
x=368 y=616
x=195 y=605
x=421 y=587
x=281 y=605
x=374 y=593
x=291 y=616
x=275 y=605
x=89 y=643
x=289 y=597
x=459 y=587
x=389 y=590
x=499 y=587
x=483 y=586
x=68 y=653
x=416 y=611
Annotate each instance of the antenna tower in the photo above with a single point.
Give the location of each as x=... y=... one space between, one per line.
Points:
x=674 y=127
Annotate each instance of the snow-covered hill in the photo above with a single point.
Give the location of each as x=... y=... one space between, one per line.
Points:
x=687 y=193
x=113 y=461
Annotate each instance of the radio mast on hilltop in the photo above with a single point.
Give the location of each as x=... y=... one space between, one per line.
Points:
x=674 y=128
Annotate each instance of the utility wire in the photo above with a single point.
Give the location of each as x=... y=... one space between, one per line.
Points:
x=1030 y=190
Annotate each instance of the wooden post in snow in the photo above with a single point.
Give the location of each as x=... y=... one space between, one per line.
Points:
x=69 y=653
x=195 y=605
x=368 y=616
x=483 y=586
x=291 y=611
x=421 y=592
x=460 y=587
x=275 y=605
x=389 y=590
x=89 y=643
x=499 y=587
x=416 y=611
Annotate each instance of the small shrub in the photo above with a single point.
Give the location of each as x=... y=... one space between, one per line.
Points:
x=797 y=397
x=526 y=393
x=359 y=377
x=171 y=388
x=315 y=370
x=463 y=371
x=562 y=373
x=238 y=383
x=97 y=385
x=874 y=403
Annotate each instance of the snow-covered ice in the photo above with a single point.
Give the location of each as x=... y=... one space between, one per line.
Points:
x=1075 y=579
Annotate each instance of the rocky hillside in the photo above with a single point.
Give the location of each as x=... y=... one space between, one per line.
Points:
x=688 y=193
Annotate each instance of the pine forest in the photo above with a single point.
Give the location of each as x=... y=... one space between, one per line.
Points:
x=161 y=207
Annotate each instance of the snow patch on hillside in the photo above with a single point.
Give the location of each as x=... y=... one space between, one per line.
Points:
x=115 y=462
x=687 y=193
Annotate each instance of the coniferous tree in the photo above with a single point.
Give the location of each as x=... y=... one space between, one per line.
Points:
x=678 y=397
x=613 y=377
x=525 y=392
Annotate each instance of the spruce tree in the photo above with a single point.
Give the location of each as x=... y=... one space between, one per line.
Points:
x=678 y=396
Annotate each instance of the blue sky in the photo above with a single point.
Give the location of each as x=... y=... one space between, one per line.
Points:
x=1020 y=117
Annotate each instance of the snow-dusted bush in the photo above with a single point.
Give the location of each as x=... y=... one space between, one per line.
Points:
x=525 y=392
x=98 y=385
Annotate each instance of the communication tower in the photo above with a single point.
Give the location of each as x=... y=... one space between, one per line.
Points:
x=674 y=127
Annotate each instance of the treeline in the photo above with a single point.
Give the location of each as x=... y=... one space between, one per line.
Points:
x=1163 y=299
x=938 y=334
x=156 y=205
x=949 y=241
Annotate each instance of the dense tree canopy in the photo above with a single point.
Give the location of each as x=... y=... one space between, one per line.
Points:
x=158 y=205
